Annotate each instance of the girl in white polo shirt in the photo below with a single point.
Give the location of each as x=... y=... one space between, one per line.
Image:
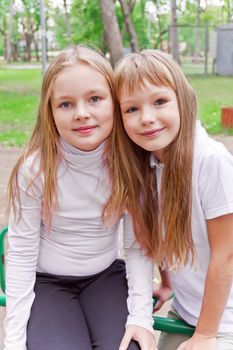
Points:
x=66 y=287
x=177 y=184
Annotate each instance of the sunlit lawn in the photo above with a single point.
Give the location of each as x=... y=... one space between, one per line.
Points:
x=20 y=89
x=19 y=95
x=213 y=93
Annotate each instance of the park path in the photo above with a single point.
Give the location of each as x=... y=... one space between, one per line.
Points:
x=8 y=157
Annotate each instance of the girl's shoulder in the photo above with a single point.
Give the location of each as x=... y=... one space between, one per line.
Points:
x=31 y=164
x=30 y=174
x=212 y=176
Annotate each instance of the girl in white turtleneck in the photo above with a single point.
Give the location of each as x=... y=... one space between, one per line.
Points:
x=66 y=287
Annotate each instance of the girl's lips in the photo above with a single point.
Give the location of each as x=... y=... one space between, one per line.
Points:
x=85 y=129
x=152 y=132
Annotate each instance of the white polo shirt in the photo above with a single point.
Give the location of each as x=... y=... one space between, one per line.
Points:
x=212 y=196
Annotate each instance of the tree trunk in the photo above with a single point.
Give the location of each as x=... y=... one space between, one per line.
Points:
x=6 y=41
x=15 y=52
x=129 y=26
x=4 y=36
x=67 y=21
x=9 y=34
x=36 y=46
x=27 y=49
x=197 y=34
x=5 y=47
x=8 y=37
x=228 y=6
x=174 y=45
x=131 y=7
x=111 y=28
x=161 y=32
x=8 y=47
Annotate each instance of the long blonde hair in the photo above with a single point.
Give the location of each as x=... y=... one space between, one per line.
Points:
x=45 y=138
x=134 y=186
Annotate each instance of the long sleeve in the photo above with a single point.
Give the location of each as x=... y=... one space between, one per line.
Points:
x=139 y=270
x=23 y=248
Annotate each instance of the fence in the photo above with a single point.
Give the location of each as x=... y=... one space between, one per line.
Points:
x=197 y=48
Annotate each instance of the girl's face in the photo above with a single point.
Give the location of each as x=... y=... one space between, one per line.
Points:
x=82 y=106
x=151 y=117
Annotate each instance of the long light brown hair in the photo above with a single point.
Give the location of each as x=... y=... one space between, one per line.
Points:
x=45 y=138
x=134 y=185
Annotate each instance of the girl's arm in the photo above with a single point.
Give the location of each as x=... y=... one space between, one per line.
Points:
x=163 y=291
x=139 y=269
x=23 y=248
x=217 y=285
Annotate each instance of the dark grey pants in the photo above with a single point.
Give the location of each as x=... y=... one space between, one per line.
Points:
x=79 y=313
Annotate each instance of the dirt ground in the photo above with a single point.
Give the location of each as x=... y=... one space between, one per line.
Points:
x=8 y=157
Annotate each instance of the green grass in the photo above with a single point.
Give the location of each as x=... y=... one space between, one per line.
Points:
x=19 y=96
x=22 y=81
x=22 y=63
x=213 y=93
x=20 y=89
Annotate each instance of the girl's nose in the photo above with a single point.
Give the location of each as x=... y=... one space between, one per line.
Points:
x=81 y=113
x=147 y=116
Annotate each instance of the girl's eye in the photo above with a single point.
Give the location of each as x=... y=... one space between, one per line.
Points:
x=94 y=99
x=65 y=105
x=160 y=102
x=131 y=110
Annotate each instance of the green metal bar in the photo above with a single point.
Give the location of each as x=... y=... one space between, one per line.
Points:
x=2 y=270
x=2 y=300
x=172 y=326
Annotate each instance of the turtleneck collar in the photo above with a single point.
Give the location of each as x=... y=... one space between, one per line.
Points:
x=78 y=158
x=155 y=163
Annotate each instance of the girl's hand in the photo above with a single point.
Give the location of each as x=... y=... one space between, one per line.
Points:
x=162 y=294
x=199 y=342
x=145 y=338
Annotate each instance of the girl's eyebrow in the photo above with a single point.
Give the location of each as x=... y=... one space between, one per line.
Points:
x=127 y=102
x=62 y=97
x=152 y=94
x=90 y=92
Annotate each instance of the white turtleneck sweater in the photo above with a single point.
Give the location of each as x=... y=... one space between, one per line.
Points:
x=78 y=243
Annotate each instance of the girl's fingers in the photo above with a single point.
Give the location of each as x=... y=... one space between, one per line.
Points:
x=125 y=341
x=158 y=305
x=145 y=338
